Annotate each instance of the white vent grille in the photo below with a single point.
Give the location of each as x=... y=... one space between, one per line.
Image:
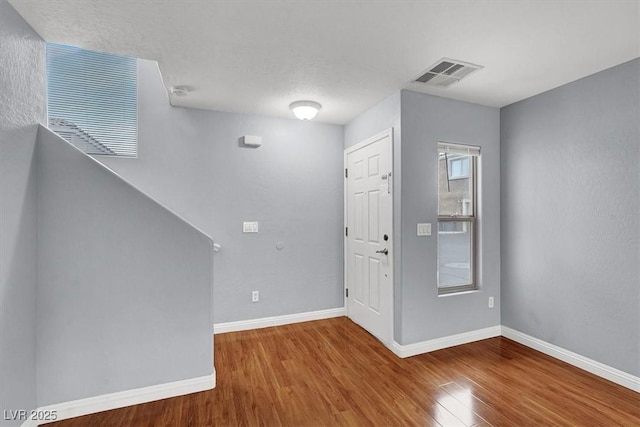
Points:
x=446 y=72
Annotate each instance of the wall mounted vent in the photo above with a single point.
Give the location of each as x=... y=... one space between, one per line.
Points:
x=446 y=72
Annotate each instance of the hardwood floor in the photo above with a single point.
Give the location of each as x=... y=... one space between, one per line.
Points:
x=332 y=372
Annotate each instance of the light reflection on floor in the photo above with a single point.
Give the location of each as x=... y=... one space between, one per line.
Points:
x=455 y=407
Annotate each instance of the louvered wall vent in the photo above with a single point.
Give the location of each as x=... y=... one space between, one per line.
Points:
x=446 y=72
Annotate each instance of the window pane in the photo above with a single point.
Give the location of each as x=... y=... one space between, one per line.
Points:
x=455 y=168
x=455 y=186
x=464 y=165
x=92 y=99
x=455 y=253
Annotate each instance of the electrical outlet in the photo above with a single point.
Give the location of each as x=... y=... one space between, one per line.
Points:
x=255 y=296
x=490 y=302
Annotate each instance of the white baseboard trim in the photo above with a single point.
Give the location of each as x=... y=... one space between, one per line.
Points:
x=105 y=402
x=444 y=342
x=266 y=322
x=600 y=369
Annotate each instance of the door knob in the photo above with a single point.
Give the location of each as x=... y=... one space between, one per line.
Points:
x=383 y=251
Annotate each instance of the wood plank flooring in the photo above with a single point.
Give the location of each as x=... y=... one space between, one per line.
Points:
x=333 y=373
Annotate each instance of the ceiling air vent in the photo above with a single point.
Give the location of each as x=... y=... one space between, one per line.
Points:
x=446 y=72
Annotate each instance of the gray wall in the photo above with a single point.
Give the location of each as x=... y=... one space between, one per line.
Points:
x=380 y=117
x=22 y=106
x=425 y=121
x=124 y=286
x=570 y=216
x=190 y=160
x=419 y=122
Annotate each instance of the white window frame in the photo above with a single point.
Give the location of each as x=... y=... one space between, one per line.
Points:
x=469 y=217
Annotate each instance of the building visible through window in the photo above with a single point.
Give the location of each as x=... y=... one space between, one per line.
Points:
x=92 y=99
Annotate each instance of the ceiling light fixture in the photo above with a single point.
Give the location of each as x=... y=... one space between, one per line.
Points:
x=305 y=110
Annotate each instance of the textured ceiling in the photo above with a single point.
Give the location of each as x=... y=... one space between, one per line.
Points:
x=258 y=56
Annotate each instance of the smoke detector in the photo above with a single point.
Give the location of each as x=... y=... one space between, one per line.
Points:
x=446 y=72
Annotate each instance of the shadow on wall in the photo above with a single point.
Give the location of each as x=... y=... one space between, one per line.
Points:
x=18 y=277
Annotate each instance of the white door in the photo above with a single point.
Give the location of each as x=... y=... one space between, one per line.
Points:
x=368 y=235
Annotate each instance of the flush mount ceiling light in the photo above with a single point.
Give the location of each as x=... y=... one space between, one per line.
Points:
x=305 y=110
x=180 y=90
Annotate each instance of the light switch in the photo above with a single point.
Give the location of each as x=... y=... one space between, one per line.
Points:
x=250 y=227
x=424 y=229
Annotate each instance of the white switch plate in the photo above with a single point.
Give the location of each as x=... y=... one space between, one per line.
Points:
x=424 y=229
x=250 y=227
x=490 y=302
x=255 y=296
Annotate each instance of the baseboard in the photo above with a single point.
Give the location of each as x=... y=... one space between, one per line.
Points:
x=600 y=369
x=121 y=399
x=444 y=342
x=266 y=322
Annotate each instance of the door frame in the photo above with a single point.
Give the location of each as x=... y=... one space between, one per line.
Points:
x=391 y=259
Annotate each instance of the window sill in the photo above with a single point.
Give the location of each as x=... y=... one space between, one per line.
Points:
x=456 y=293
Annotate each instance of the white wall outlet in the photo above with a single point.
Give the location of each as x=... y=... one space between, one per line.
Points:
x=250 y=227
x=255 y=296
x=490 y=302
x=424 y=229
